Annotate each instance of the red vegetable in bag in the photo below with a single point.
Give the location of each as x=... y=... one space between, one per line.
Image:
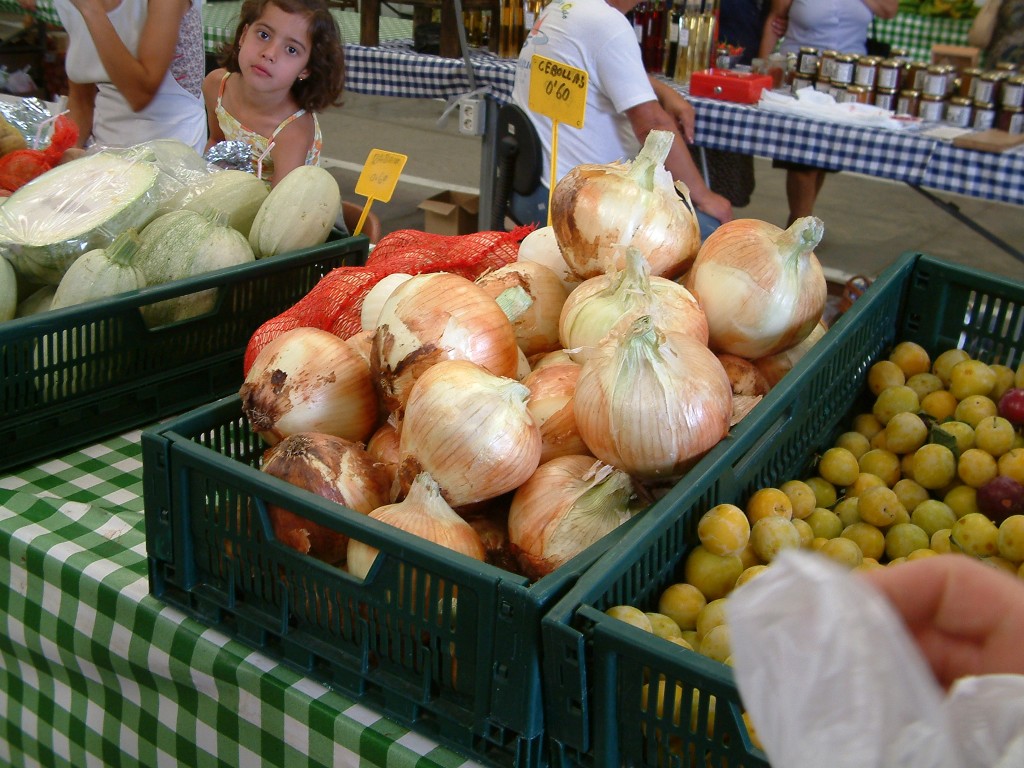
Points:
x=21 y=166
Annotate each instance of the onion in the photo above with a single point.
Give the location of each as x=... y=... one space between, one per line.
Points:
x=774 y=367
x=308 y=380
x=362 y=343
x=424 y=513
x=383 y=449
x=651 y=403
x=744 y=376
x=328 y=466
x=761 y=287
x=536 y=327
x=541 y=247
x=470 y=430
x=558 y=357
x=374 y=299
x=597 y=210
x=610 y=303
x=433 y=317
x=551 y=403
x=566 y=505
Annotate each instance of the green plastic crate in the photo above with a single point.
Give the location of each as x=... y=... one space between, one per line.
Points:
x=595 y=666
x=469 y=678
x=73 y=376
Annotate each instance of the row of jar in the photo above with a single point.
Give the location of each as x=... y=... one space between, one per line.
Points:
x=1003 y=85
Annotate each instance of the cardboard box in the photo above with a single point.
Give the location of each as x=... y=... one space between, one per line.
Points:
x=450 y=213
x=960 y=56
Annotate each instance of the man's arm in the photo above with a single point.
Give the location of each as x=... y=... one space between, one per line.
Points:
x=677 y=107
x=650 y=116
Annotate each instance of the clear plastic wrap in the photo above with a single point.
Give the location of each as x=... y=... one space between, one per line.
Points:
x=830 y=676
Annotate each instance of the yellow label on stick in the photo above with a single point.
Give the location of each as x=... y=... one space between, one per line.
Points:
x=558 y=91
x=380 y=174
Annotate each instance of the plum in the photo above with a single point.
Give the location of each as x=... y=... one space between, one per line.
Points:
x=1001 y=497
x=1011 y=406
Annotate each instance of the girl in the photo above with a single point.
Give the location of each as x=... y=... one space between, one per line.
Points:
x=286 y=64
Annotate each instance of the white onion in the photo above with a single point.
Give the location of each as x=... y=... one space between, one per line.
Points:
x=433 y=317
x=610 y=303
x=328 y=466
x=470 y=430
x=598 y=210
x=652 y=403
x=541 y=247
x=552 y=405
x=536 y=327
x=374 y=299
x=774 y=367
x=308 y=380
x=761 y=287
x=568 y=504
x=423 y=513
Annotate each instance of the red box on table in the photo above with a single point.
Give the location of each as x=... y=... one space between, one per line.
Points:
x=728 y=85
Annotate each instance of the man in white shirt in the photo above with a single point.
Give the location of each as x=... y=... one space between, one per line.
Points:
x=623 y=103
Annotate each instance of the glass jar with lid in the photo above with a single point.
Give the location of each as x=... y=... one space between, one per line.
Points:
x=908 y=103
x=1011 y=120
x=1012 y=92
x=959 y=112
x=986 y=86
x=916 y=72
x=967 y=84
x=826 y=62
x=865 y=72
x=936 y=81
x=984 y=115
x=843 y=68
x=807 y=62
x=857 y=94
x=890 y=74
x=885 y=98
x=900 y=54
x=932 y=108
x=1008 y=67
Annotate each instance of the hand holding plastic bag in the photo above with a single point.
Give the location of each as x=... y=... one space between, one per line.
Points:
x=830 y=676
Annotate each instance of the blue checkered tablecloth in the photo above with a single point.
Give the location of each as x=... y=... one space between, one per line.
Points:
x=905 y=156
x=394 y=69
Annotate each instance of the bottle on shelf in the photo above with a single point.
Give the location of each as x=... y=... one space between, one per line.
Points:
x=686 y=55
x=673 y=23
x=653 y=44
x=511 y=33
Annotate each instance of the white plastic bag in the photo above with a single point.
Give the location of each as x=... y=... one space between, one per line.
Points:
x=830 y=676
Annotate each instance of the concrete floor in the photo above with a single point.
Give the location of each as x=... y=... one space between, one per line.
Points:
x=868 y=221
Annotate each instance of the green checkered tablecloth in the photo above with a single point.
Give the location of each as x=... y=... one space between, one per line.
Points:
x=918 y=33
x=220 y=19
x=95 y=671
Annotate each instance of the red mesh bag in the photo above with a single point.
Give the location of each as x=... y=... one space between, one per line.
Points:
x=335 y=302
x=21 y=166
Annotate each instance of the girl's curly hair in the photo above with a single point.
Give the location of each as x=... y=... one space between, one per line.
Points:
x=326 y=80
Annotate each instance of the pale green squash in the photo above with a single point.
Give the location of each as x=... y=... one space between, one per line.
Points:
x=237 y=193
x=8 y=290
x=101 y=273
x=298 y=213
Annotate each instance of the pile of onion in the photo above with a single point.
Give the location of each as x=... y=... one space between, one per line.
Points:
x=532 y=297
x=598 y=210
x=761 y=287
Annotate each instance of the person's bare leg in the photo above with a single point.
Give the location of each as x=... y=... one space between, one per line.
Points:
x=802 y=188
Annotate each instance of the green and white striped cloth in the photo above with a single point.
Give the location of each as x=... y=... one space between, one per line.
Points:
x=95 y=671
x=917 y=34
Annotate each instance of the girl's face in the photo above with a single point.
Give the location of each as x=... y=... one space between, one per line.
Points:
x=274 y=50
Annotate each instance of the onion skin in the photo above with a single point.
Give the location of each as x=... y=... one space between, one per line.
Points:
x=567 y=504
x=329 y=466
x=761 y=287
x=434 y=317
x=598 y=210
x=652 y=403
x=470 y=430
x=541 y=247
x=383 y=449
x=745 y=377
x=307 y=380
x=774 y=367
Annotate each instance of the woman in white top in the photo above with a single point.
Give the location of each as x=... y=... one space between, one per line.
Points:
x=131 y=81
x=837 y=25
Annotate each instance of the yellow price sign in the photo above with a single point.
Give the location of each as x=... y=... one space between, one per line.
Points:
x=380 y=174
x=558 y=91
